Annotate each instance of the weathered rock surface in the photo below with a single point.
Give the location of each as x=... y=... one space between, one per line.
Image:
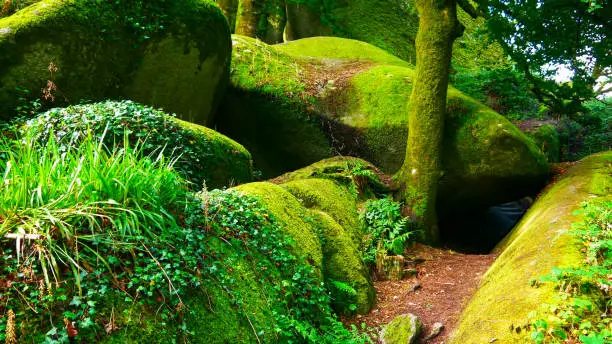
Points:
x=500 y=308
x=290 y=107
x=404 y=329
x=178 y=61
x=321 y=216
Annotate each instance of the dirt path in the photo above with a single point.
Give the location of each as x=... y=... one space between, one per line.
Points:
x=445 y=281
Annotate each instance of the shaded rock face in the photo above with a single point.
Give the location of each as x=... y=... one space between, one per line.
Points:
x=178 y=61
x=540 y=242
x=299 y=102
x=404 y=329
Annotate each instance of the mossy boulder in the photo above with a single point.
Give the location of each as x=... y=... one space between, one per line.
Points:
x=167 y=54
x=212 y=315
x=404 y=329
x=291 y=107
x=391 y=25
x=321 y=217
x=294 y=218
x=202 y=154
x=541 y=241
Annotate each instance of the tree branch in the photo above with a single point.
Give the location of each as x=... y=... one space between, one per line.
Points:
x=470 y=9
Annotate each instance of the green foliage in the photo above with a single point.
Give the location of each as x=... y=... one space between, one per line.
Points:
x=197 y=155
x=84 y=210
x=585 y=292
x=386 y=228
x=586 y=132
x=504 y=90
x=579 y=41
x=114 y=238
x=116 y=49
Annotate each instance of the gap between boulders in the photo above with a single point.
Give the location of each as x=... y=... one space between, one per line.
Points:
x=445 y=281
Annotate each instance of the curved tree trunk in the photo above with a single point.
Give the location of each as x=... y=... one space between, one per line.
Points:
x=229 y=8
x=421 y=171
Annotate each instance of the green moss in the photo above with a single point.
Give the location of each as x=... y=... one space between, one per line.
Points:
x=332 y=198
x=211 y=314
x=546 y=138
x=342 y=263
x=338 y=48
x=389 y=25
x=229 y=164
x=282 y=100
x=354 y=174
x=266 y=109
x=117 y=50
x=404 y=329
x=475 y=50
x=540 y=241
x=392 y=25
x=321 y=217
x=294 y=218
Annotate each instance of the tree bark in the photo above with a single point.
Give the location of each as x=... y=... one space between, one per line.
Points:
x=304 y=20
x=229 y=8
x=249 y=16
x=262 y=19
x=276 y=20
x=421 y=171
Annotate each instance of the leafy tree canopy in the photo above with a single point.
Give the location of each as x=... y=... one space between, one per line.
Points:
x=543 y=35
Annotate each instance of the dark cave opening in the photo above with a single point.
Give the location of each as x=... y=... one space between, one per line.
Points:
x=479 y=231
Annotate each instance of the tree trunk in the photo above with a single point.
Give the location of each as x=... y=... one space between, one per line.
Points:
x=229 y=8
x=304 y=20
x=249 y=16
x=262 y=19
x=421 y=171
x=276 y=19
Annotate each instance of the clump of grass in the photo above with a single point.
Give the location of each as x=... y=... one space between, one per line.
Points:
x=61 y=204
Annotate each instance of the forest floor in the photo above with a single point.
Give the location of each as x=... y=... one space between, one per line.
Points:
x=445 y=282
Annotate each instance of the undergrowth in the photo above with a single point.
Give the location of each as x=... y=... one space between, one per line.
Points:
x=151 y=129
x=385 y=228
x=581 y=312
x=96 y=239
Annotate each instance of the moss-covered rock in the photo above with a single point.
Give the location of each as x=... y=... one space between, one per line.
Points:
x=540 y=242
x=296 y=220
x=391 y=25
x=328 y=196
x=212 y=315
x=167 y=54
x=347 y=278
x=202 y=154
x=291 y=107
x=404 y=329
x=322 y=219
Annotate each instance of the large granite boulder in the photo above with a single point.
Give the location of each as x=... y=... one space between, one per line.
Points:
x=170 y=54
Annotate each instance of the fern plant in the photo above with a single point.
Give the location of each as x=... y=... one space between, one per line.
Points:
x=385 y=227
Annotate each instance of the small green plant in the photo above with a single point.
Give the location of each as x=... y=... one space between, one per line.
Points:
x=581 y=311
x=385 y=227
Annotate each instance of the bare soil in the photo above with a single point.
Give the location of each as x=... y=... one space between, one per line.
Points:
x=445 y=282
